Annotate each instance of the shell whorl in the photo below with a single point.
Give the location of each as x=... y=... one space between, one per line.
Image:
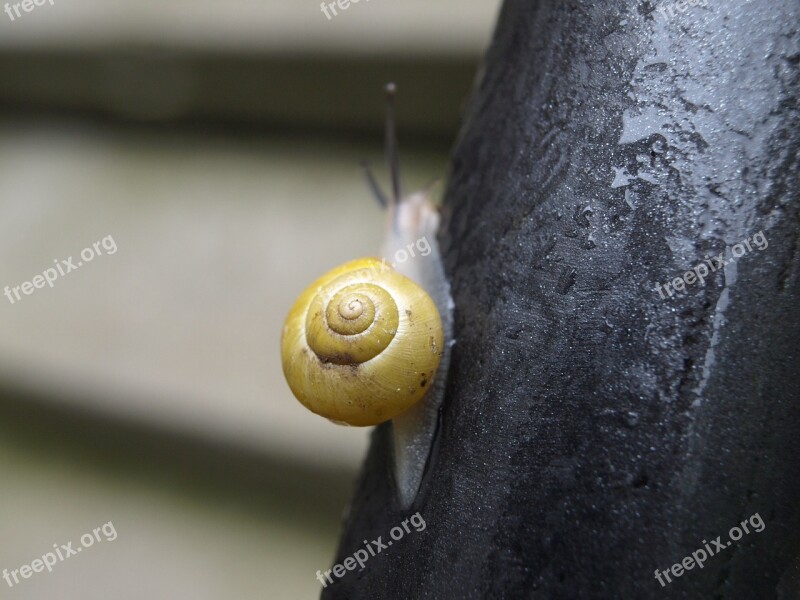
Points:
x=353 y=325
x=362 y=343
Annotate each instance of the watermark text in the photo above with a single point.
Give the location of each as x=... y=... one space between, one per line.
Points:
x=49 y=276
x=61 y=552
x=701 y=555
x=701 y=271
x=373 y=548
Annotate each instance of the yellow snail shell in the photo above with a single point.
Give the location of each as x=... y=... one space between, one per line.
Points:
x=362 y=344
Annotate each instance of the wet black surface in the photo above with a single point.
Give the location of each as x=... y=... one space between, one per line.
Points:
x=595 y=428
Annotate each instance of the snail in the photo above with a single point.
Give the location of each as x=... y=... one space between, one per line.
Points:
x=370 y=341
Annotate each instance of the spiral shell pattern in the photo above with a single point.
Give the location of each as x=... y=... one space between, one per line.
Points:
x=361 y=344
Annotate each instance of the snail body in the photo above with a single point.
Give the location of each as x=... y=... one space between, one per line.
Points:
x=361 y=344
x=412 y=219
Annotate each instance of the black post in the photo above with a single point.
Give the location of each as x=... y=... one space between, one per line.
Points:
x=594 y=431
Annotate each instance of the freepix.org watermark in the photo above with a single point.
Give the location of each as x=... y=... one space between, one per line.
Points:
x=668 y=9
x=401 y=255
x=701 y=555
x=26 y=5
x=60 y=553
x=325 y=7
x=373 y=548
x=49 y=276
x=700 y=271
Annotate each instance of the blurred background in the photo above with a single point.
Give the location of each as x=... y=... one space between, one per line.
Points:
x=217 y=144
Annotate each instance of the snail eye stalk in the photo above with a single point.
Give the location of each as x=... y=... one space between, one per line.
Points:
x=392 y=154
x=377 y=192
